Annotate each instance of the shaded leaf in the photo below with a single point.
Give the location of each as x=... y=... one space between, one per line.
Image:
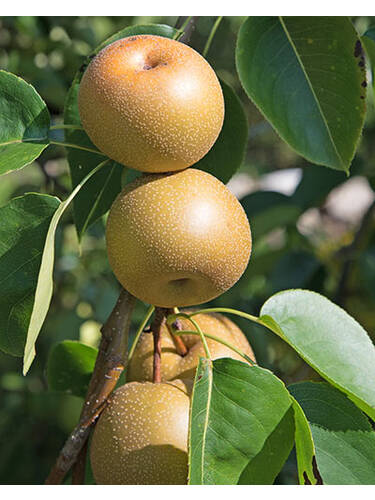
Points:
x=328 y=339
x=268 y=210
x=99 y=193
x=315 y=185
x=294 y=269
x=24 y=123
x=305 y=450
x=226 y=155
x=69 y=367
x=24 y=223
x=306 y=75
x=235 y=414
x=343 y=437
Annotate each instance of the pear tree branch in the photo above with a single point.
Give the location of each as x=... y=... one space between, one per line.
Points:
x=110 y=363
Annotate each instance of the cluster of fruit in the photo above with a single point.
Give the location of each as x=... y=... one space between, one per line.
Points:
x=176 y=236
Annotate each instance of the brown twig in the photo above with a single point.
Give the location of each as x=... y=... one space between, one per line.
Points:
x=79 y=468
x=159 y=319
x=188 y=31
x=109 y=365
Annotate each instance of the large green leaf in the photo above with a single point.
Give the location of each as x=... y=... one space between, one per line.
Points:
x=227 y=154
x=69 y=367
x=24 y=123
x=99 y=193
x=328 y=339
x=239 y=421
x=44 y=286
x=24 y=223
x=307 y=77
x=343 y=437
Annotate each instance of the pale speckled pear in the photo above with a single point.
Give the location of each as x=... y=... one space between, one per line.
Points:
x=142 y=435
x=177 y=239
x=173 y=365
x=151 y=103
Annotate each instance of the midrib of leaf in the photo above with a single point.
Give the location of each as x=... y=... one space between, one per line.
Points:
x=312 y=91
x=209 y=396
x=20 y=141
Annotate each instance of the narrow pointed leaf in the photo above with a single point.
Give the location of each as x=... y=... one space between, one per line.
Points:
x=343 y=437
x=70 y=366
x=97 y=196
x=227 y=154
x=24 y=123
x=44 y=287
x=237 y=414
x=24 y=223
x=328 y=339
x=307 y=76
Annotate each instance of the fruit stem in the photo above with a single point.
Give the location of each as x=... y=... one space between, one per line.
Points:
x=172 y=328
x=221 y=341
x=63 y=126
x=156 y=325
x=75 y=146
x=211 y=35
x=196 y=326
x=109 y=365
x=142 y=326
x=226 y=310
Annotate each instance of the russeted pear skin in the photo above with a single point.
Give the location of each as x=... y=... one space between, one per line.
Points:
x=142 y=435
x=173 y=365
x=151 y=103
x=177 y=239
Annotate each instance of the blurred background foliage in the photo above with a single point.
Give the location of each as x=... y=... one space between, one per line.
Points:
x=312 y=228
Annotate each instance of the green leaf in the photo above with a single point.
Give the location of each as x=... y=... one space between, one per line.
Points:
x=307 y=77
x=44 y=287
x=265 y=466
x=343 y=437
x=328 y=339
x=238 y=413
x=24 y=223
x=69 y=367
x=227 y=154
x=305 y=450
x=97 y=196
x=24 y=123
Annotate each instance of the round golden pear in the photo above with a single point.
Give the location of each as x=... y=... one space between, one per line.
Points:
x=142 y=435
x=176 y=366
x=177 y=239
x=151 y=103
